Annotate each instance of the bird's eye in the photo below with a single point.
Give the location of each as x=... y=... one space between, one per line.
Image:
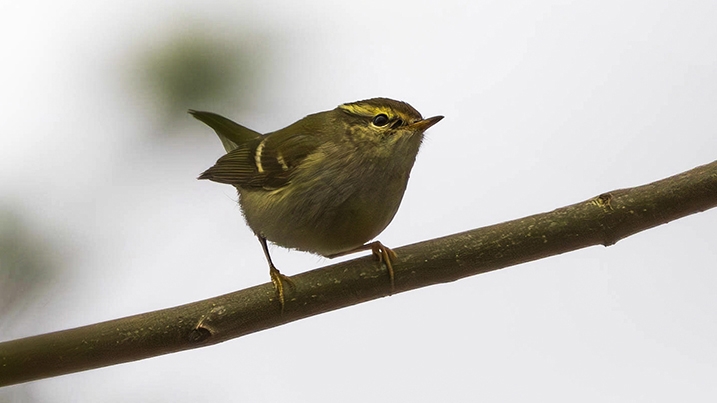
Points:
x=380 y=120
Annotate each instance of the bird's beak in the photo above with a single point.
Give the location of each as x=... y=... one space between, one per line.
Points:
x=423 y=125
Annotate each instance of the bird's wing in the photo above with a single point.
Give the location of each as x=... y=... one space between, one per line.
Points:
x=230 y=133
x=266 y=162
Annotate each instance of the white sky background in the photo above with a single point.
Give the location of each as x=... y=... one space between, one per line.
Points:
x=546 y=104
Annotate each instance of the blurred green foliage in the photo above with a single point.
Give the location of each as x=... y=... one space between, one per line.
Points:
x=27 y=264
x=191 y=70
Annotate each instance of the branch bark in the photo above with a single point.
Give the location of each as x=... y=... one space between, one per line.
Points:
x=602 y=220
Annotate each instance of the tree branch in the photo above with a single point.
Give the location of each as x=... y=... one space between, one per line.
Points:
x=602 y=220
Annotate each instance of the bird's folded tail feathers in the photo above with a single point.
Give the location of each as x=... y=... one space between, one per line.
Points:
x=230 y=133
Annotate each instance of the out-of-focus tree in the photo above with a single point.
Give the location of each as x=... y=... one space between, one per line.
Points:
x=191 y=70
x=28 y=265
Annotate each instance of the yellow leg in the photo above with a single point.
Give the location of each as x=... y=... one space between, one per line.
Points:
x=382 y=254
x=277 y=278
x=386 y=255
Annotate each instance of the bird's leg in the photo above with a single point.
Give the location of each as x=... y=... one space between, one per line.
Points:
x=382 y=254
x=276 y=277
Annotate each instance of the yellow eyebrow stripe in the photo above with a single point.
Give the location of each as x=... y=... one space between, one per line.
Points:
x=364 y=110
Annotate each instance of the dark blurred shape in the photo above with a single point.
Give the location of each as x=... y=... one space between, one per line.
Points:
x=193 y=70
x=28 y=265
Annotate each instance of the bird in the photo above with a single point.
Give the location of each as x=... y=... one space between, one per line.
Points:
x=326 y=184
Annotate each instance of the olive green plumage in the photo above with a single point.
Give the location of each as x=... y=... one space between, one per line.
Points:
x=328 y=183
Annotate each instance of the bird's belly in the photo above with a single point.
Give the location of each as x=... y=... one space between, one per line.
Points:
x=322 y=226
